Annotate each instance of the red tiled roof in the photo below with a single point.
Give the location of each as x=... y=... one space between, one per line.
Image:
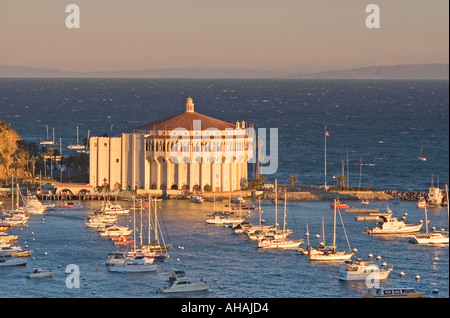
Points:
x=186 y=120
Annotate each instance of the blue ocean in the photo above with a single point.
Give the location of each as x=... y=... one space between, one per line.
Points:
x=386 y=123
x=382 y=125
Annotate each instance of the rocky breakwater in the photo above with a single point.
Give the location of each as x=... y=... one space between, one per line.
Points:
x=314 y=193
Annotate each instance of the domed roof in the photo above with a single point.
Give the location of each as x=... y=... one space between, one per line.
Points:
x=186 y=120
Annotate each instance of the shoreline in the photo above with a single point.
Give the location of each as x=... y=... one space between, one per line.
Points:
x=298 y=193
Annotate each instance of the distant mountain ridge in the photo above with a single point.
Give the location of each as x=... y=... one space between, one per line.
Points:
x=432 y=71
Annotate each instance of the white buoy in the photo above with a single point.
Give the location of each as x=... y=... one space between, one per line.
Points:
x=417 y=277
x=378 y=257
x=317 y=236
x=435 y=291
x=370 y=255
x=402 y=274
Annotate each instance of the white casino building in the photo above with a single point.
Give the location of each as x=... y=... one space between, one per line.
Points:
x=188 y=151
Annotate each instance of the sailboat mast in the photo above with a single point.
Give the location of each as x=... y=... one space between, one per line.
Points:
x=149 y=218
x=307 y=233
x=284 y=213
x=134 y=222
x=259 y=204
x=426 y=219
x=140 y=232
x=323 y=231
x=156 y=225
x=334 y=226
x=325 y=157
x=448 y=203
x=276 y=205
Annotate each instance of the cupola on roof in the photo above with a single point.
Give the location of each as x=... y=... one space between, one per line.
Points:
x=186 y=120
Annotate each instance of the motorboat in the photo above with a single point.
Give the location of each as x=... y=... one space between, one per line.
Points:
x=421 y=203
x=34 y=206
x=267 y=231
x=365 y=202
x=196 y=199
x=338 y=205
x=391 y=292
x=371 y=216
x=39 y=273
x=115 y=258
x=12 y=260
x=241 y=227
x=133 y=265
x=222 y=219
x=391 y=225
x=179 y=283
x=113 y=208
x=272 y=243
x=238 y=200
x=6 y=238
x=363 y=269
x=116 y=231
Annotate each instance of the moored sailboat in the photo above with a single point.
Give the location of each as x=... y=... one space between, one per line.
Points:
x=271 y=242
x=434 y=237
x=331 y=254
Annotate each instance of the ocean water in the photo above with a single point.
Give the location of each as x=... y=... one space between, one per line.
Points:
x=383 y=122
x=234 y=265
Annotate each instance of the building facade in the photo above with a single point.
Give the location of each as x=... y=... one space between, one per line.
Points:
x=188 y=151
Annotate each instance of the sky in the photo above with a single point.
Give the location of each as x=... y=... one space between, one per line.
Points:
x=298 y=35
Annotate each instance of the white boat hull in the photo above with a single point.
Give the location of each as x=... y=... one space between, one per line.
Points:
x=404 y=230
x=281 y=244
x=188 y=288
x=430 y=239
x=352 y=276
x=329 y=257
x=222 y=221
x=14 y=262
x=125 y=268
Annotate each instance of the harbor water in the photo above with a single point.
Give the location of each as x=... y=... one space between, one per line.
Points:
x=233 y=264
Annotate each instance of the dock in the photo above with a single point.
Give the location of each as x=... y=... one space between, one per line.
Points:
x=356 y=210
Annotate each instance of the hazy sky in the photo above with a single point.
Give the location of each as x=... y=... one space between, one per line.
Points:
x=303 y=35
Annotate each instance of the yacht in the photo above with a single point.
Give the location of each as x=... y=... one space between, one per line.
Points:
x=273 y=243
x=115 y=231
x=133 y=265
x=196 y=199
x=224 y=218
x=179 y=283
x=362 y=270
x=12 y=260
x=391 y=225
x=113 y=208
x=39 y=273
x=389 y=292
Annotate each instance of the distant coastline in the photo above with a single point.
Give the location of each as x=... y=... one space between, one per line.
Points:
x=430 y=71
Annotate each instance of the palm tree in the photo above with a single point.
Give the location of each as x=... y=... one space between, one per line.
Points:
x=292 y=180
x=341 y=181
